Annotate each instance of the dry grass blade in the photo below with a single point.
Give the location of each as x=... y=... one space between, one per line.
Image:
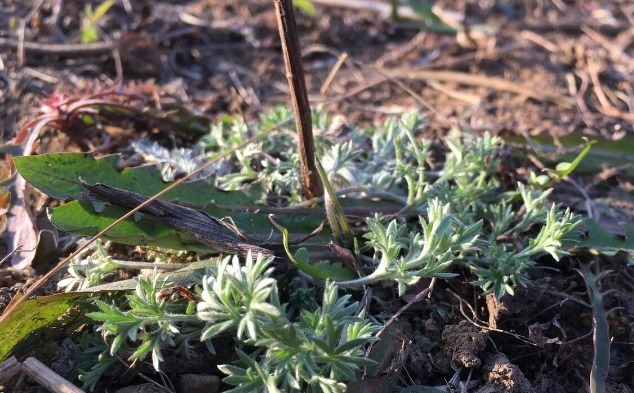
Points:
x=477 y=80
x=47 y=377
x=606 y=107
x=9 y=368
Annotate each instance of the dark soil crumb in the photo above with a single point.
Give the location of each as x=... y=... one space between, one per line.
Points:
x=462 y=344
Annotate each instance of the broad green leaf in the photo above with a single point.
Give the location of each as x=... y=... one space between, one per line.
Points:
x=59 y=174
x=258 y=225
x=337 y=270
x=604 y=153
x=425 y=10
x=89 y=218
x=80 y=217
x=32 y=314
x=600 y=240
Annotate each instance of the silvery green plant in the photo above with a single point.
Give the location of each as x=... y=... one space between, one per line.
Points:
x=144 y=318
x=315 y=353
x=455 y=211
x=318 y=351
x=465 y=216
x=174 y=163
x=405 y=256
x=90 y=268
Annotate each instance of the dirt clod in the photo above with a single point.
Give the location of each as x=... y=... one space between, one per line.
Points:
x=463 y=343
x=502 y=376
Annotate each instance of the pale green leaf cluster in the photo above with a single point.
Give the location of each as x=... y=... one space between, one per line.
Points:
x=456 y=210
x=146 y=318
x=465 y=216
x=500 y=268
x=89 y=268
x=315 y=353
x=405 y=256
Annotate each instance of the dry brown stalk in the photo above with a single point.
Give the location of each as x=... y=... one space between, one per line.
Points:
x=299 y=95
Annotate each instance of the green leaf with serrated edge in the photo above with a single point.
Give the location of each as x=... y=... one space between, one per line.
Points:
x=81 y=218
x=32 y=314
x=595 y=237
x=300 y=260
x=59 y=174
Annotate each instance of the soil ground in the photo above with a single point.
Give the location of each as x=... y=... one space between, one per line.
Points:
x=572 y=68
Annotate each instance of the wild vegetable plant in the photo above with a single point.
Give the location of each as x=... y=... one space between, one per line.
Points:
x=417 y=214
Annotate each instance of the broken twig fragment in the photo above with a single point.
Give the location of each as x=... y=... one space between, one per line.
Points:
x=210 y=230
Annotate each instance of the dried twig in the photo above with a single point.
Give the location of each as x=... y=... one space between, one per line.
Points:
x=606 y=107
x=616 y=53
x=200 y=225
x=70 y=50
x=299 y=95
x=47 y=377
x=415 y=95
x=540 y=40
x=331 y=75
x=9 y=368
